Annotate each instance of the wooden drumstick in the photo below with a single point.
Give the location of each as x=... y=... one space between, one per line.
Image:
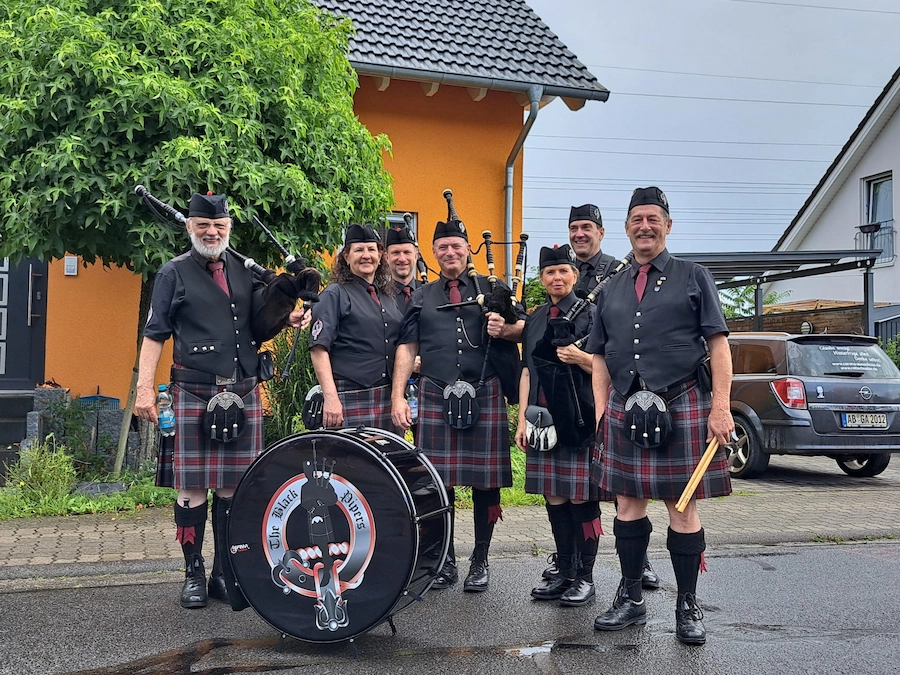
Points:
x=702 y=466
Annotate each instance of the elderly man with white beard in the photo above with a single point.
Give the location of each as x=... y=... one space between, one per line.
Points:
x=206 y=301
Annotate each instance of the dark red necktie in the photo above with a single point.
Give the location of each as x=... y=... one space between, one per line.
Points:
x=407 y=291
x=554 y=311
x=374 y=294
x=455 y=297
x=218 y=275
x=641 y=284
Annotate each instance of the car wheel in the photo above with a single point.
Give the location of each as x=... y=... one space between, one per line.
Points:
x=746 y=458
x=864 y=466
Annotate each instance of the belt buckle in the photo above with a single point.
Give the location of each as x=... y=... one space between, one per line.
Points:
x=220 y=381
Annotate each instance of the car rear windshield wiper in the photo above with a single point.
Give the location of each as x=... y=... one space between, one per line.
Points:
x=848 y=373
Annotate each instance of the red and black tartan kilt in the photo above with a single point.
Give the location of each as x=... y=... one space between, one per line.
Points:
x=201 y=463
x=367 y=407
x=477 y=456
x=661 y=473
x=560 y=472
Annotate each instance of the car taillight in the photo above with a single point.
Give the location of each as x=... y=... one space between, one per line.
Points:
x=790 y=392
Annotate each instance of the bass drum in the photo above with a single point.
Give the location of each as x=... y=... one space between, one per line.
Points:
x=334 y=531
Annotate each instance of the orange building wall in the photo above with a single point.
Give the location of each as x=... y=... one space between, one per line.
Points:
x=444 y=141
x=447 y=141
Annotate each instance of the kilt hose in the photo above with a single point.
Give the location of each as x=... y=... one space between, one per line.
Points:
x=367 y=407
x=563 y=471
x=661 y=473
x=199 y=462
x=477 y=456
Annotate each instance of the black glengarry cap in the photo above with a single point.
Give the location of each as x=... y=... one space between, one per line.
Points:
x=208 y=206
x=586 y=212
x=558 y=255
x=649 y=196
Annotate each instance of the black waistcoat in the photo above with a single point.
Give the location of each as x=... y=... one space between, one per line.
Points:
x=605 y=265
x=364 y=346
x=450 y=342
x=211 y=330
x=658 y=339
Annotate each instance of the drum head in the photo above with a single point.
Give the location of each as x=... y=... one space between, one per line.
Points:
x=322 y=537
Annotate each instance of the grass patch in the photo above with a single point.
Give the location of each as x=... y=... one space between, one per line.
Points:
x=40 y=483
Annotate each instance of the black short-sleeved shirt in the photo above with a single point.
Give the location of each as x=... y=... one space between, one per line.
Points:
x=359 y=334
x=660 y=339
x=594 y=270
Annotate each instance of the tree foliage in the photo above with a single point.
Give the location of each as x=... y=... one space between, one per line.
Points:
x=739 y=302
x=248 y=97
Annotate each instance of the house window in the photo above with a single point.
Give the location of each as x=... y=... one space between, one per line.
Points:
x=396 y=218
x=877 y=229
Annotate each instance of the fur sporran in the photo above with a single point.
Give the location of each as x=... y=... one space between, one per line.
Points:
x=539 y=428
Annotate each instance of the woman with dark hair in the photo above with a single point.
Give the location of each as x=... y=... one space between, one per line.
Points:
x=556 y=419
x=355 y=326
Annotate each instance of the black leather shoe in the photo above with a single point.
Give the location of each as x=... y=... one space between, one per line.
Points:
x=193 y=593
x=448 y=575
x=216 y=587
x=624 y=611
x=552 y=570
x=479 y=576
x=581 y=592
x=649 y=578
x=689 y=627
x=551 y=589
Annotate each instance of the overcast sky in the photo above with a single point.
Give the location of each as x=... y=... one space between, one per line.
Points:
x=735 y=108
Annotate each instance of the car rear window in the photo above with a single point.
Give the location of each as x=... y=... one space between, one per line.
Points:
x=840 y=359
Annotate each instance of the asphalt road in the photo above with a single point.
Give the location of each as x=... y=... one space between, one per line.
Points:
x=818 y=608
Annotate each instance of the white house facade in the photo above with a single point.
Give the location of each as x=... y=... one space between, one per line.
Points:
x=853 y=207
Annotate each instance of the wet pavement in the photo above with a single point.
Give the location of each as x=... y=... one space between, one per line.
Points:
x=803 y=577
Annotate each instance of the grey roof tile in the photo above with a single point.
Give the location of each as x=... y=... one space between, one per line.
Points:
x=484 y=39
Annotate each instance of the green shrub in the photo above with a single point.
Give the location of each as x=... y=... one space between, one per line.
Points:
x=284 y=395
x=892 y=349
x=43 y=472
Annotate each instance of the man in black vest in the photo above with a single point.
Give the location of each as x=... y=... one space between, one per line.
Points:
x=585 y=234
x=466 y=437
x=400 y=251
x=659 y=409
x=207 y=301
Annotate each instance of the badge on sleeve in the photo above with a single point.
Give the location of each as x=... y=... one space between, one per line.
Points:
x=317 y=329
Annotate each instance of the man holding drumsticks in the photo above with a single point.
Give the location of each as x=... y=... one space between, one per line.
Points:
x=660 y=401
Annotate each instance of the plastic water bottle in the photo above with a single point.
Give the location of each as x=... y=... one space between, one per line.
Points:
x=412 y=398
x=166 y=413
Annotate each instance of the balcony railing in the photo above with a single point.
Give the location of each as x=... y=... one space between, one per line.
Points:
x=874 y=236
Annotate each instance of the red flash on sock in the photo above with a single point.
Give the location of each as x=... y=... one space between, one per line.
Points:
x=186 y=535
x=703 y=563
x=495 y=513
x=592 y=529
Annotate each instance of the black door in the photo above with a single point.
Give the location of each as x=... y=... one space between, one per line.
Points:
x=23 y=323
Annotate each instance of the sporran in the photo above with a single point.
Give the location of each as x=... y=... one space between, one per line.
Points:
x=460 y=405
x=648 y=422
x=539 y=428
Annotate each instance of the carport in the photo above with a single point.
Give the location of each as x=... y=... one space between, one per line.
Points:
x=736 y=270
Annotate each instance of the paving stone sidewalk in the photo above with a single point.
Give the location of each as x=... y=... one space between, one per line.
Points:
x=744 y=518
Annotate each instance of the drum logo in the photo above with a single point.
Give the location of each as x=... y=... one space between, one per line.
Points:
x=321 y=564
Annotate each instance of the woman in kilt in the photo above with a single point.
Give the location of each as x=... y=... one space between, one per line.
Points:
x=557 y=377
x=660 y=404
x=355 y=326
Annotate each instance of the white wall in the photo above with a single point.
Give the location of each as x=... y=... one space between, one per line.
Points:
x=836 y=229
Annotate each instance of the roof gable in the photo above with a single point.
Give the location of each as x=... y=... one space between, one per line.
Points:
x=862 y=138
x=497 y=44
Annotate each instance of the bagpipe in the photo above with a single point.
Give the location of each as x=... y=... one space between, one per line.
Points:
x=283 y=290
x=461 y=409
x=421 y=267
x=567 y=388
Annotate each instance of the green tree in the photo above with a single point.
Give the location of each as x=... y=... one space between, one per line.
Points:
x=738 y=302
x=253 y=98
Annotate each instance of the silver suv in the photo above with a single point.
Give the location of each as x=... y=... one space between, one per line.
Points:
x=832 y=395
